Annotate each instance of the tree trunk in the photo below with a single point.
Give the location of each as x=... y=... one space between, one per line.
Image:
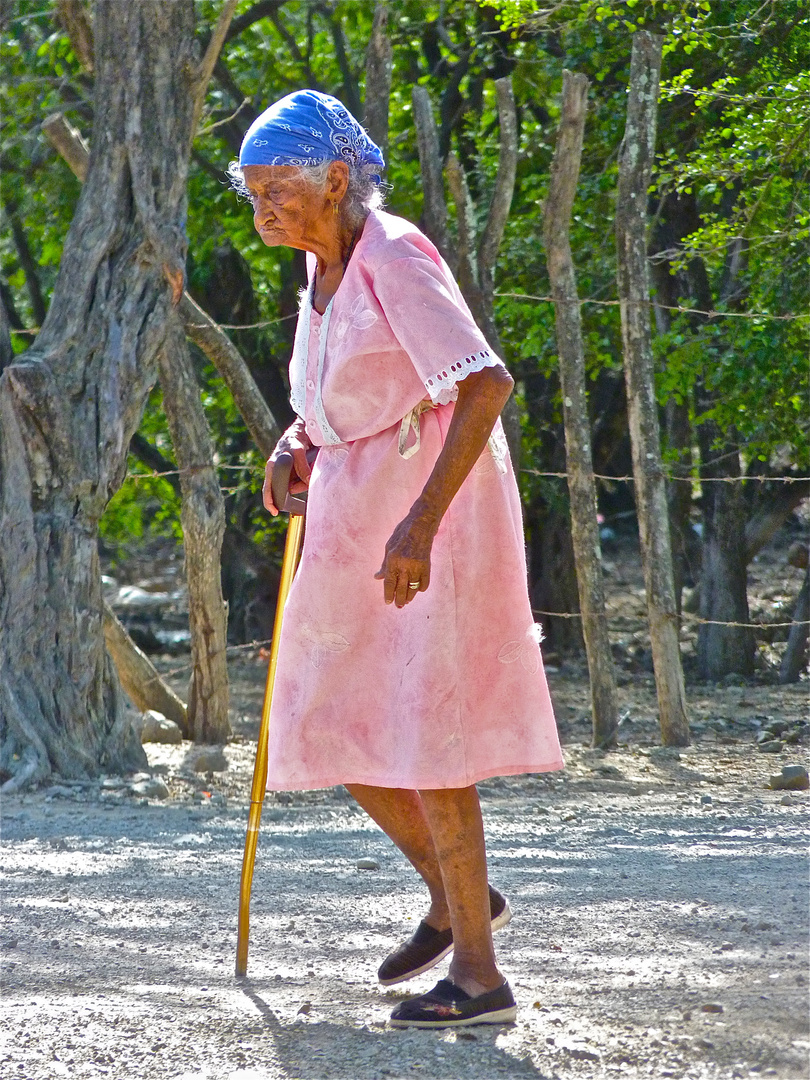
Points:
x=70 y=405
x=635 y=168
x=553 y=581
x=200 y=327
x=379 y=60
x=581 y=484
x=6 y=348
x=795 y=658
x=723 y=650
x=679 y=447
x=474 y=263
x=434 y=208
x=202 y=517
x=772 y=509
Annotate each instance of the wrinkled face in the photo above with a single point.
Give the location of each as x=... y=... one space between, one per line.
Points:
x=286 y=210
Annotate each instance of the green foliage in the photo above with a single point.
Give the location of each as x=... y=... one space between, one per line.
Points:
x=733 y=131
x=146 y=504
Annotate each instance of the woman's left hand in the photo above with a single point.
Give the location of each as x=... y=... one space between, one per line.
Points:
x=405 y=570
x=481 y=396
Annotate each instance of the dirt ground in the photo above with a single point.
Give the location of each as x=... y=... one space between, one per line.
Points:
x=660 y=907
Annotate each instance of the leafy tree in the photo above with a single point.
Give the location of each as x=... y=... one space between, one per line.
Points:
x=730 y=212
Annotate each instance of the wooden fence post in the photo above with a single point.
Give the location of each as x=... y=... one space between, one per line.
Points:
x=581 y=485
x=635 y=169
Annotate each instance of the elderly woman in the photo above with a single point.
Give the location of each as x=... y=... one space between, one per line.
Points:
x=409 y=667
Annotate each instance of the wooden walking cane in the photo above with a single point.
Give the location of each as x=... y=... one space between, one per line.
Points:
x=295 y=506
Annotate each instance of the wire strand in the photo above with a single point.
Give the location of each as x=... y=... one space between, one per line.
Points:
x=712 y=314
x=684 y=616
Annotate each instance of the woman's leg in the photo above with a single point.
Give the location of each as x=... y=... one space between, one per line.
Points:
x=400 y=814
x=454 y=819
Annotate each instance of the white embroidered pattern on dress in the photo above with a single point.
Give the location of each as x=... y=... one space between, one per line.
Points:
x=524 y=650
x=323 y=642
x=442 y=386
x=358 y=317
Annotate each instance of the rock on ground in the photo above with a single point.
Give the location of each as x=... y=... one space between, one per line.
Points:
x=154 y=727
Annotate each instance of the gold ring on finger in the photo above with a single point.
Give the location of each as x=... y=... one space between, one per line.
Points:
x=413 y=584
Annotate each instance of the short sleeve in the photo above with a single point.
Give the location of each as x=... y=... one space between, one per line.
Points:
x=431 y=321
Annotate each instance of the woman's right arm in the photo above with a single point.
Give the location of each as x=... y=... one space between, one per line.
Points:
x=294 y=441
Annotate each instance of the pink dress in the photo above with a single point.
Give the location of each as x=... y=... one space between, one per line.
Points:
x=450 y=689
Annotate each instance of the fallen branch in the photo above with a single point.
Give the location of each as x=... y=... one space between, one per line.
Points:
x=140 y=679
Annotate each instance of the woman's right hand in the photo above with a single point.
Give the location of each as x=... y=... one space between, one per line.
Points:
x=294 y=441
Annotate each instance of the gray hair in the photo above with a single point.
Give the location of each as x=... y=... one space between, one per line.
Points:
x=364 y=193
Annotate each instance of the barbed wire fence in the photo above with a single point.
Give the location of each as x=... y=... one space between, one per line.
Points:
x=612 y=617
x=692 y=478
x=592 y=300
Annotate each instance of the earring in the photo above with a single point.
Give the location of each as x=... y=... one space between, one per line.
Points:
x=335 y=208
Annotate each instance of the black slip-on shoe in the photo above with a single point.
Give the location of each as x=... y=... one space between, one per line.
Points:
x=447 y=1005
x=428 y=946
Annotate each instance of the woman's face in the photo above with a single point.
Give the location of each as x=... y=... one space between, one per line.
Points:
x=286 y=210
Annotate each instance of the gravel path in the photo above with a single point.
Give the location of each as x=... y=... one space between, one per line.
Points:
x=660 y=929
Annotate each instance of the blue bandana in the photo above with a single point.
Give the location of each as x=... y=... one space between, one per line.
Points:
x=308 y=128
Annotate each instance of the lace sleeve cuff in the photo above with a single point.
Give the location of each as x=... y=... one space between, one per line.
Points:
x=443 y=385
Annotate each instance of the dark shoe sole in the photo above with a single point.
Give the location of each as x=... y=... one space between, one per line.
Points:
x=446 y=1006
x=502 y=1016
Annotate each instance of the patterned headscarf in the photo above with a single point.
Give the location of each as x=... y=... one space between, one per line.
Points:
x=309 y=128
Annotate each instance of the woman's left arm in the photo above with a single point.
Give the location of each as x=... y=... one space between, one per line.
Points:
x=481 y=396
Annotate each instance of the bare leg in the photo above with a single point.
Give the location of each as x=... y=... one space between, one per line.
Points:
x=400 y=814
x=454 y=818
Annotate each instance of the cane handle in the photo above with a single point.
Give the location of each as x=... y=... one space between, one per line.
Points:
x=283 y=499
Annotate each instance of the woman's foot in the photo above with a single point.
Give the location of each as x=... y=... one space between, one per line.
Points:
x=428 y=946
x=447 y=1005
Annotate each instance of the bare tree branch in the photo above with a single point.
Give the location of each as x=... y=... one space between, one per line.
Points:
x=143 y=684
x=351 y=93
x=222 y=123
x=264 y=9
x=465 y=217
x=434 y=210
x=68 y=143
x=504 y=181
x=73 y=18
x=378 y=79
x=226 y=358
x=229 y=83
x=208 y=62
x=29 y=264
x=289 y=37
